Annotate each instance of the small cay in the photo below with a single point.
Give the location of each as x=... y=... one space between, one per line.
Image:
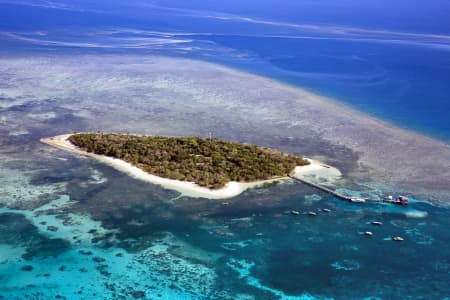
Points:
x=211 y=163
x=195 y=167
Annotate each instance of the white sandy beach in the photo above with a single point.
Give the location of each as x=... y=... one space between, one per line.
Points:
x=317 y=172
x=164 y=95
x=190 y=189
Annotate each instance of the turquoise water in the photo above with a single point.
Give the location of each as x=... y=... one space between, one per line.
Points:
x=72 y=228
x=110 y=244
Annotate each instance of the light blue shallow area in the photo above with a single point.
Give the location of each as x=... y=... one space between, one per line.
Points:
x=68 y=234
x=225 y=251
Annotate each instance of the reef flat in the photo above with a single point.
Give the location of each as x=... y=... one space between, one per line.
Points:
x=164 y=96
x=66 y=216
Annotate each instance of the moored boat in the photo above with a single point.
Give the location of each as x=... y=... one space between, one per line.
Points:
x=357 y=200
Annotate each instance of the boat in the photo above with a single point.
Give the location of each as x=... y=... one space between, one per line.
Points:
x=401 y=200
x=311 y=213
x=295 y=212
x=398 y=238
x=368 y=233
x=326 y=210
x=377 y=223
x=357 y=200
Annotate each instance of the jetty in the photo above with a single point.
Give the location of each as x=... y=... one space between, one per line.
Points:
x=401 y=200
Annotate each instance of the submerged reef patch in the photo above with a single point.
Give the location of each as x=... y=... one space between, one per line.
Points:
x=346 y=265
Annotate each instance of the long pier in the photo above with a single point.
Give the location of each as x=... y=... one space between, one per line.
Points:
x=322 y=188
x=339 y=195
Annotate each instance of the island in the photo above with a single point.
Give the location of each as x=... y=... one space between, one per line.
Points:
x=194 y=166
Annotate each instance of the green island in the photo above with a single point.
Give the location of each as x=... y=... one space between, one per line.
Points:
x=208 y=162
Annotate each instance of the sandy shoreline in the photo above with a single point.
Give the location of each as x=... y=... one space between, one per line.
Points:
x=190 y=189
x=318 y=172
x=164 y=99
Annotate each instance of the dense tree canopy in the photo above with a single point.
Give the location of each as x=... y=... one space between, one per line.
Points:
x=208 y=162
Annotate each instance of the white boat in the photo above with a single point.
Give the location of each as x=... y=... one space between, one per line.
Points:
x=357 y=200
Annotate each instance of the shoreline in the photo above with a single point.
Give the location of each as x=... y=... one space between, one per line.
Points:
x=368 y=150
x=186 y=188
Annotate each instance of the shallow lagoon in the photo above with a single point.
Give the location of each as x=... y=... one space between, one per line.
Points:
x=73 y=228
x=111 y=245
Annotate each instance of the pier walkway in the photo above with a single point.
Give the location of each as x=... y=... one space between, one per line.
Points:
x=336 y=194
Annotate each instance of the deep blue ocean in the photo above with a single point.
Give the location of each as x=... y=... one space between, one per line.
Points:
x=74 y=228
x=390 y=60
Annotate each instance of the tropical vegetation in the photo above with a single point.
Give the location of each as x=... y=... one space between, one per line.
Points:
x=210 y=162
